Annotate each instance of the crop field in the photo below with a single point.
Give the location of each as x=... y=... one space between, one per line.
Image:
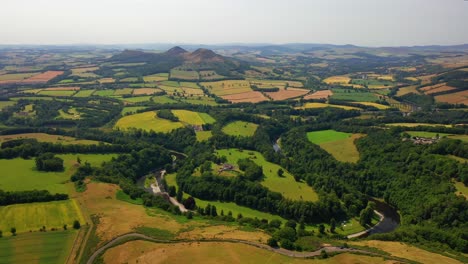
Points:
x=4 y=104
x=20 y=174
x=406 y=90
x=454 y=98
x=286 y=185
x=43 y=77
x=337 y=80
x=16 y=76
x=325 y=94
x=57 y=93
x=215 y=252
x=246 y=97
x=156 y=77
x=84 y=93
x=402 y=250
x=42 y=137
x=275 y=84
x=147 y=121
x=323 y=105
x=193 y=118
x=184 y=75
x=437 y=88
x=33 y=216
x=146 y=91
x=203 y=135
x=123 y=91
x=376 y=105
x=354 y=95
x=240 y=128
x=192 y=91
x=129 y=79
x=221 y=88
x=339 y=144
x=287 y=94
x=44 y=247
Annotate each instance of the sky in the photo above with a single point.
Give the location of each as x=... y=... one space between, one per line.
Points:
x=358 y=22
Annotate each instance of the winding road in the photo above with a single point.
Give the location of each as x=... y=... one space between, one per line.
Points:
x=137 y=236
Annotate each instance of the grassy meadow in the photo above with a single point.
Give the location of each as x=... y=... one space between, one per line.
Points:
x=286 y=185
x=339 y=144
x=193 y=118
x=147 y=121
x=240 y=128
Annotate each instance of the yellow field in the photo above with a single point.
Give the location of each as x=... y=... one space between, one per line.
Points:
x=156 y=77
x=227 y=87
x=215 y=252
x=323 y=105
x=402 y=250
x=106 y=80
x=85 y=72
x=203 y=135
x=33 y=216
x=147 y=121
x=406 y=90
x=42 y=137
x=413 y=79
x=378 y=106
x=193 y=118
x=343 y=150
x=337 y=80
x=386 y=77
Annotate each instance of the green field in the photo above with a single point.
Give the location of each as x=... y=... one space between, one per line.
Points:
x=323 y=136
x=47 y=248
x=374 y=83
x=72 y=114
x=193 y=118
x=4 y=104
x=16 y=76
x=184 y=75
x=104 y=92
x=33 y=216
x=189 y=85
x=163 y=100
x=42 y=137
x=199 y=100
x=203 y=135
x=57 y=93
x=137 y=99
x=354 y=95
x=20 y=174
x=286 y=185
x=84 y=93
x=123 y=91
x=240 y=128
x=339 y=144
x=156 y=77
x=147 y=121
x=131 y=109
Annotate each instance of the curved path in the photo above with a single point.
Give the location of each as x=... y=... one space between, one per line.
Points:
x=137 y=236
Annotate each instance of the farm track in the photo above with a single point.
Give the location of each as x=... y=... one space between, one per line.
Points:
x=294 y=254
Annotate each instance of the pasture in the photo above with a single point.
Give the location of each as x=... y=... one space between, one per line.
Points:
x=71 y=113
x=339 y=144
x=104 y=92
x=240 y=128
x=84 y=93
x=57 y=93
x=131 y=109
x=286 y=185
x=136 y=99
x=42 y=137
x=354 y=95
x=33 y=216
x=193 y=118
x=48 y=247
x=156 y=77
x=124 y=91
x=184 y=75
x=147 y=121
x=146 y=91
x=21 y=175
x=216 y=252
x=374 y=83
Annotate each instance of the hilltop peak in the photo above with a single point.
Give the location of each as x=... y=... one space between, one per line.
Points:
x=176 y=51
x=204 y=55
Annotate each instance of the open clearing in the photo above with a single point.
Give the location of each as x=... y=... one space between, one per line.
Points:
x=23 y=171
x=49 y=247
x=147 y=121
x=240 y=128
x=286 y=185
x=33 y=216
x=406 y=251
x=340 y=145
x=461 y=189
x=193 y=118
x=42 y=137
x=214 y=252
x=203 y=135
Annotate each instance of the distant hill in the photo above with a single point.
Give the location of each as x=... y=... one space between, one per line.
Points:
x=177 y=57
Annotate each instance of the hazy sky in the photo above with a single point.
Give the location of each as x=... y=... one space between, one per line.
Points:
x=360 y=22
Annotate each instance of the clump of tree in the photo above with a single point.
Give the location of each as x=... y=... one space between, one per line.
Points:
x=167 y=114
x=48 y=162
x=252 y=171
x=7 y=198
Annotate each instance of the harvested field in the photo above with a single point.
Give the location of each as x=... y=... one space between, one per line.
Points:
x=454 y=98
x=426 y=79
x=85 y=72
x=325 y=94
x=15 y=77
x=287 y=94
x=43 y=77
x=146 y=91
x=246 y=97
x=337 y=80
x=323 y=105
x=106 y=80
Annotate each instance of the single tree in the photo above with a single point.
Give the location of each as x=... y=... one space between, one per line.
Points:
x=180 y=195
x=321 y=228
x=64 y=227
x=332 y=225
x=272 y=242
x=76 y=224
x=13 y=231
